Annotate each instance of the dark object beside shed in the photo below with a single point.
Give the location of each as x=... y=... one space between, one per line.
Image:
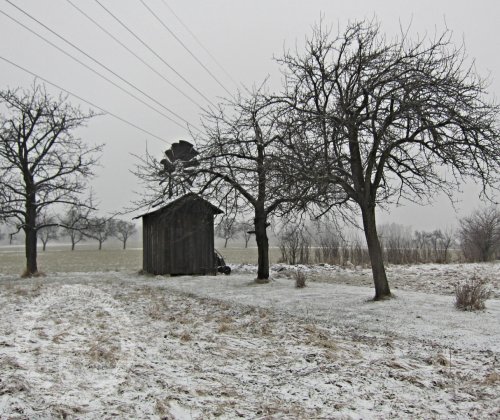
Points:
x=179 y=237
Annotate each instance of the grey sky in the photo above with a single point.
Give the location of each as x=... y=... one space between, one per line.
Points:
x=242 y=35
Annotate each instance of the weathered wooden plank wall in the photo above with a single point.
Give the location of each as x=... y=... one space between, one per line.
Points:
x=180 y=239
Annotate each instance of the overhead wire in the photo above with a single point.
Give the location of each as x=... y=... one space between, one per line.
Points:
x=154 y=52
x=85 y=100
x=155 y=15
x=101 y=75
x=133 y=53
x=201 y=44
x=95 y=61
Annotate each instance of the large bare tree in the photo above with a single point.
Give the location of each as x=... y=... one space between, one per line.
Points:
x=387 y=119
x=238 y=166
x=42 y=164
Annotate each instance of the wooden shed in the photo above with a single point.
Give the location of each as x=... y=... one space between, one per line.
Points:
x=179 y=237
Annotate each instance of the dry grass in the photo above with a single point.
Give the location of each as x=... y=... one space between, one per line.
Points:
x=472 y=294
x=185 y=336
x=103 y=352
x=62 y=259
x=224 y=327
x=492 y=378
x=156 y=310
x=300 y=279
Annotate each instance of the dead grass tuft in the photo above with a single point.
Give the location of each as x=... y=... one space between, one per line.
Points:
x=185 y=336
x=27 y=275
x=156 y=310
x=492 y=378
x=13 y=385
x=103 y=352
x=440 y=360
x=472 y=294
x=224 y=327
x=163 y=409
x=300 y=279
x=58 y=338
x=33 y=291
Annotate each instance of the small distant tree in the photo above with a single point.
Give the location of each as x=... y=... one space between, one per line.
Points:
x=227 y=229
x=75 y=223
x=49 y=231
x=246 y=229
x=295 y=244
x=123 y=230
x=479 y=234
x=100 y=229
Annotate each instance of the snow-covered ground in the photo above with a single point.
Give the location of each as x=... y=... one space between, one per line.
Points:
x=116 y=344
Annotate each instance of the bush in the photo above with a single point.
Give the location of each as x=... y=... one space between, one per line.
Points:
x=300 y=279
x=479 y=235
x=472 y=294
x=295 y=245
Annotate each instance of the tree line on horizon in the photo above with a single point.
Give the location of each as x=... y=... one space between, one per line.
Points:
x=77 y=227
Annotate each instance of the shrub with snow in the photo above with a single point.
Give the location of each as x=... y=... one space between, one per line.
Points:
x=300 y=279
x=472 y=294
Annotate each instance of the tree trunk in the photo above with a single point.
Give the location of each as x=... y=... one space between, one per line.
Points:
x=72 y=245
x=30 y=244
x=124 y=244
x=225 y=243
x=31 y=235
x=44 y=245
x=100 y=245
x=262 y=248
x=382 y=290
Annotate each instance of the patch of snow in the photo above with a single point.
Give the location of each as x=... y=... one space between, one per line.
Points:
x=114 y=344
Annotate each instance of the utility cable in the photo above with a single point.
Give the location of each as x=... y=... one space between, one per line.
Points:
x=134 y=54
x=155 y=53
x=102 y=76
x=185 y=47
x=85 y=100
x=201 y=45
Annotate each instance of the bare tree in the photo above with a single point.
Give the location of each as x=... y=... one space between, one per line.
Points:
x=49 y=231
x=479 y=234
x=227 y=229
x=387 y=120
x=246 y=229
x=75 y=223
x=41 y=163
x=100 y=229
x=238 y=165
x=123 y=230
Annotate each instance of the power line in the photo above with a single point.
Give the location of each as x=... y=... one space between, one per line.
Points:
x=155 y=53
x=185 y=47
x=95 y=61
x=99 y=74
x=133 y=53
x=200 y=44
x=85 y=100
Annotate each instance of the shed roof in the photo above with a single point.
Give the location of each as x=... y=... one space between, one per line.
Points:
x=180 y=200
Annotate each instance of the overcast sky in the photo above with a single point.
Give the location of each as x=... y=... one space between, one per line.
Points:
x=242 y=36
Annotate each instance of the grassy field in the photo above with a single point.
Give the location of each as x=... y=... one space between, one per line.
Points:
x=59 y=258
